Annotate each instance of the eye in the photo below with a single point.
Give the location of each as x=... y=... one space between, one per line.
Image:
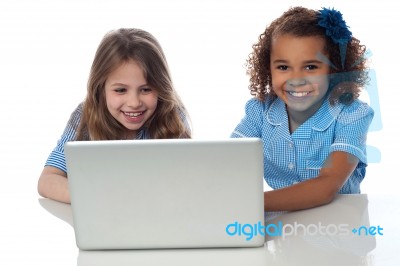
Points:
x=282 y=67
x=120 y=90
x=311 y=67
x=146 y=90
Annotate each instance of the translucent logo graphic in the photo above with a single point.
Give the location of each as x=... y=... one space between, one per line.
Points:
x=249 y=231
x=373 y=153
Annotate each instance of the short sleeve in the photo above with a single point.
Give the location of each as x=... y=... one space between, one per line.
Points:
x=352 y=129
x=251 y=123
x=57 y=156
x=185 y=120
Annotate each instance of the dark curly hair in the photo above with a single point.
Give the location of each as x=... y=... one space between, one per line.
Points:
x=346 y=81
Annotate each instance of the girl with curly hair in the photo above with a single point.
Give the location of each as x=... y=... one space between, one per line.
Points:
x=306 y=73
x=130 y=95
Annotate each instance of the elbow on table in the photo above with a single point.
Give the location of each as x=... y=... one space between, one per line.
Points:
x=41 y=187
x=328 y=198
x=327 y=195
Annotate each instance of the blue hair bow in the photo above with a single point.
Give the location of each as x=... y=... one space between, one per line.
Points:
x=336 y=29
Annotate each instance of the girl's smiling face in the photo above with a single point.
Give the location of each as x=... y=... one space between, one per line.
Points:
x=130 y=100
x=299 y=77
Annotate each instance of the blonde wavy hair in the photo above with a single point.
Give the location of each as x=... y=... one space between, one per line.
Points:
x=117 y=47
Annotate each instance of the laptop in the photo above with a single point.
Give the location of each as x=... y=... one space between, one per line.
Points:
x=175 y=193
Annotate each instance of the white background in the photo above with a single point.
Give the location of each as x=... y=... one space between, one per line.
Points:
x=47 y=46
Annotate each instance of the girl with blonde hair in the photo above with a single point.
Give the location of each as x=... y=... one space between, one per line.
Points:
x=130 y=95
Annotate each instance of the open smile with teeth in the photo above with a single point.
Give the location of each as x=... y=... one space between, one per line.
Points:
x=299 y=94
x=136 y=114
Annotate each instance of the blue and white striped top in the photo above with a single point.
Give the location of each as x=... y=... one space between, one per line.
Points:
x=292 y=158
x=57 y=156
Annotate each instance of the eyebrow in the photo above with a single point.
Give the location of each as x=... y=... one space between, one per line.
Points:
x=279 y=61
x=117 y=84
x=282 y=61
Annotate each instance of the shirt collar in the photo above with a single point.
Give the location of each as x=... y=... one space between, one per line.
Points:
x=320 y=121
x=142 y=134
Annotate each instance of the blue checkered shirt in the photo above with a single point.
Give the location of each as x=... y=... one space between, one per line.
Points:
x=292 y=158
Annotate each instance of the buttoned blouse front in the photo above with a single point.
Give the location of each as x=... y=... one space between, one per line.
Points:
x=292 y=158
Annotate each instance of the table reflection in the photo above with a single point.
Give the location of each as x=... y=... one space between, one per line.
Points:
x=323 y=236
x=177 y=257
x=62 y=211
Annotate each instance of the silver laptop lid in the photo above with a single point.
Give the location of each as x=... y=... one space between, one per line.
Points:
x=180 y=193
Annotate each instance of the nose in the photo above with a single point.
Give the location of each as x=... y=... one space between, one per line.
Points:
x=133 y=100
x=296 y=82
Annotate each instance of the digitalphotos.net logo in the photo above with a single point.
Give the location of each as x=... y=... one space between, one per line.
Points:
x=298 y=229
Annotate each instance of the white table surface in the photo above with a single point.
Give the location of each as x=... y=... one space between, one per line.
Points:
x=36 y=231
